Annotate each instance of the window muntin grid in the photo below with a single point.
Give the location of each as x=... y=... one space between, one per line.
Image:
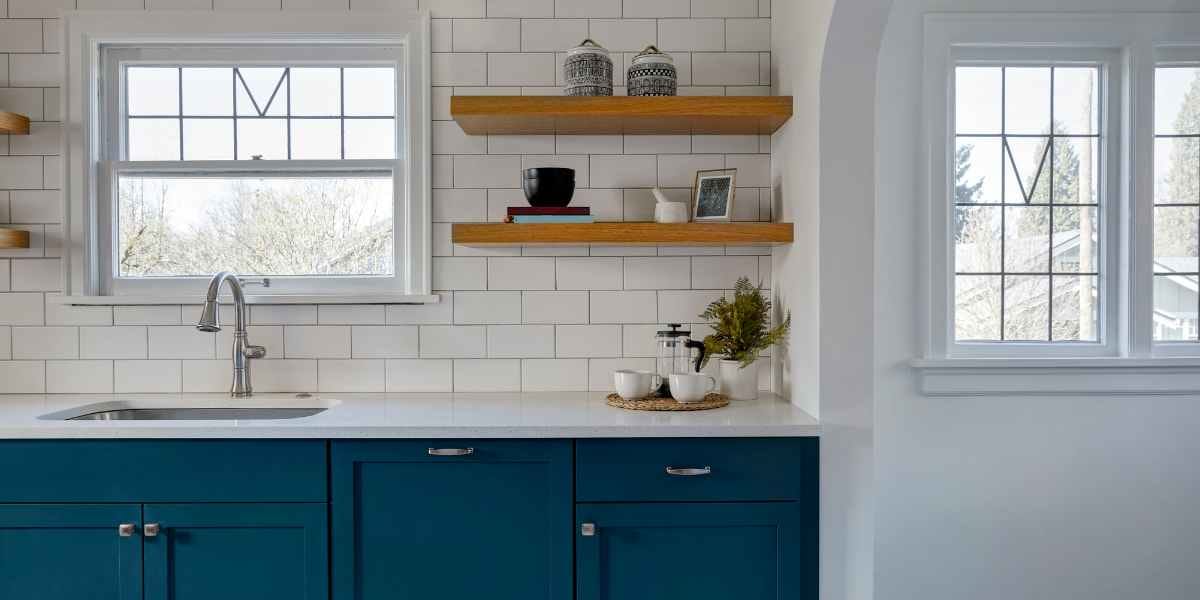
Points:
x=284 y=112
x=1176 y=203
x=1024 y=121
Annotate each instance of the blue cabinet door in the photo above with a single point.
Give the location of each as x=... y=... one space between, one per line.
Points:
x=452 y=520
x=236 y=552
x=743 y=551
x=70 y=552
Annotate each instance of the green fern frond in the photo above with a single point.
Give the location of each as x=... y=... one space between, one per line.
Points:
x=741 y=328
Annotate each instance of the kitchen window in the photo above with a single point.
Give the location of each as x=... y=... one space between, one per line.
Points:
x=299 y=160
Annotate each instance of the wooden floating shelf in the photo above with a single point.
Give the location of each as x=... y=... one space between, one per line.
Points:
x=639 y=115
x=13 y=239
x=621 y=234
x=14 y=124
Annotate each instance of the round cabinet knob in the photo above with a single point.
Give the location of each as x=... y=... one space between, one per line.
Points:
x=151 y=530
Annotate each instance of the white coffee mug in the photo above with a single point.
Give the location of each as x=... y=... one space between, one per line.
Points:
x=691 y=387
x=634 y=384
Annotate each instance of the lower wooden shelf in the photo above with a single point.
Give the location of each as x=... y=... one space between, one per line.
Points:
x=11 y=239
x=14 y=124
x=621 y=234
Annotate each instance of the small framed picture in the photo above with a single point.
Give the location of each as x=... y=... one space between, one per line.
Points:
x=714 y=195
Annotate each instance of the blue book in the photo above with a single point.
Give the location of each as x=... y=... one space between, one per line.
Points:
x=553 y=219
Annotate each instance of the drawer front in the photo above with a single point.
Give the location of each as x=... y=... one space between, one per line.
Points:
x=163 y=471
x=702 y=469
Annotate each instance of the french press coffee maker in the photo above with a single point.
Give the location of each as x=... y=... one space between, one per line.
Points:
x=677 y=353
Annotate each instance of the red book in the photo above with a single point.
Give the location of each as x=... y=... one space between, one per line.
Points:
x=549 y=210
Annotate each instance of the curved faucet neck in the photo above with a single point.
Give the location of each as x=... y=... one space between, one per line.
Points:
x=239 y=299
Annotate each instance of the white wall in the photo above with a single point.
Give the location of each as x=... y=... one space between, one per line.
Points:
x=1022 y=497
x=511 y=319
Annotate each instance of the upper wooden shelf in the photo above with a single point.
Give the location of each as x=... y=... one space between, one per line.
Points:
x=11 y=239
x=516 y=115
x=13 y=123
x=621 y=234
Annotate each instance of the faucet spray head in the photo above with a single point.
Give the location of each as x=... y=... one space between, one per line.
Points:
x=210 y=320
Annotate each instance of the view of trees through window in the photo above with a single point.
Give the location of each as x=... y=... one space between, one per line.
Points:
x=1176 y=203
x=1026 y=203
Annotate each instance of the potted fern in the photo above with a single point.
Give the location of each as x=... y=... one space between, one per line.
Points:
x=741 y=331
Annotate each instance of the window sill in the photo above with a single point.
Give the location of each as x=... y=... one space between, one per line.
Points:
x=1058 y=376
x=250 y=299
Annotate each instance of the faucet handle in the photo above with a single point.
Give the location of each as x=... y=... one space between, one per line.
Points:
x=265 y=282
x=255 y=351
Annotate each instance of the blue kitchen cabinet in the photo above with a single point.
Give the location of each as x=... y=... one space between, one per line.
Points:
x=698 y=551
x=236 y=552
x=452 y=520
x=70 y=552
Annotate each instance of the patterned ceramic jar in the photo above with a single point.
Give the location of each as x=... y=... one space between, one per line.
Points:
x=588 y=70
x=652 y=74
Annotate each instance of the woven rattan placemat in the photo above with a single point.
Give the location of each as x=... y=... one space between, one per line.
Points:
x=709 y=402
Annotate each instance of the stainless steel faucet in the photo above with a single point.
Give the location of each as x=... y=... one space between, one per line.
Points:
x=243 y=351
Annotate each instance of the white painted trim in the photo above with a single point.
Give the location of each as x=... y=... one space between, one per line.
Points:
x=1057 y=377
x=86 y=32
x=250 y=299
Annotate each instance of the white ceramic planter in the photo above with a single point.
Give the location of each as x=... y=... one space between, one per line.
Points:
x=739 y=383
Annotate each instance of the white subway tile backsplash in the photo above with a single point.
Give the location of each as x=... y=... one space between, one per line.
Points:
x=22 y=377
x=43 y=139
x=26 y=101
x=5 y=342
x=36 y=275
x=459 y=205
x=459 y=341
x=111 y=4
x=462 y=68
x=753 y=170
x=79 y=376
x=441 y=35
x=587 y=8
x=552 y=35
x=449 y=138
x=31 y=70
x=606 y=205
x=520 y=341
x=280 y=375
x=724 y=144
x=524 y=68
x=34 y=9
x=624 y=171
x=591 y=273
x=351 y=375
x=725 y=68
x=316 y=341
x=179 y=5
x=587 y=341
x=442 y=9
x=600 y=371
x=350 y=314
x=554 y=375
x=638 y=340
x=40 y=343
x=283 y=314
x=113 y=342
x=523 y=273
x=722 y=272
x=487 y=375
x=487 y=35
x=21 y=309
x=724 y=8
x=540 y=250
x=747 y=34
x=691 y=34
x=441 y=313
x=21 y=172
x=247 y=4
x=658 y=273
x=149 y=315
x=147 y=376
x=624 y=35
x=679 y=170
x=480 y=308
x=657 y=144
x=459 y=273
x=487 y=171
x=588 y=144
x=384 y=342
x=420 y=375
x=213 y=376
x=657 y=8
x=520 y=144
x=520 y=8
x=20 y=36
x=555 y=307
x=684 y=306
x=183 y=341
x=624 y=307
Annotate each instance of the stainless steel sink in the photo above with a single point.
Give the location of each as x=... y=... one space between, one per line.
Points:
x=198 y=414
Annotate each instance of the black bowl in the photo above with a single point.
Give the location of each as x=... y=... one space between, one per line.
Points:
x=548 y=186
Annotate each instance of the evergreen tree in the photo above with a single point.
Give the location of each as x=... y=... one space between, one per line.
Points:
x=1175 y=230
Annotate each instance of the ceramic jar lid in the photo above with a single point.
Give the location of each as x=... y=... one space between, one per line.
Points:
x=653 y=55
x=588 y=47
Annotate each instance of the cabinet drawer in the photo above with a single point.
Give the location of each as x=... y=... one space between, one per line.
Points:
x=163 y=471
x=703 y=469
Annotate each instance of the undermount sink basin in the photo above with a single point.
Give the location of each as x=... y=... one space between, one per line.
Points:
x=264 y=408
x=197 y=414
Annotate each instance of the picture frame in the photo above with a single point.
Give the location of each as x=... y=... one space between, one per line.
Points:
x=713 y=196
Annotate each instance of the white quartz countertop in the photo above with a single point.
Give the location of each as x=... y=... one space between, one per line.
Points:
x=460 y=415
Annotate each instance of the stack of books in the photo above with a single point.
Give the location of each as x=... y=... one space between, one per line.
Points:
x=551 y=214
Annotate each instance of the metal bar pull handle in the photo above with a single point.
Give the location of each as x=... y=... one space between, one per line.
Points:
x=151 y=529
x=126 y=529
x=689 y=471
x=451 y=451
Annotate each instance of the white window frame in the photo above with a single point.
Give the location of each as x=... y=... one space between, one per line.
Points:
x=1127 y=360
x=91 y=144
